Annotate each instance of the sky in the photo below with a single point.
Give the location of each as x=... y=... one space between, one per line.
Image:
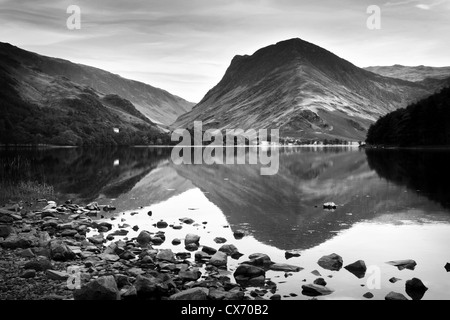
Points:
x=185 y=46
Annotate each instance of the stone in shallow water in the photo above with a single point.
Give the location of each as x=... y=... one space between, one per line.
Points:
x=291 y=254
x=320 y=282
x=368 y=295
x=191 y=238
x=220 y=240
x=415 y=289
x=394 y=280
x=285 y=267
x=447 y=267
x=219 y=259
x=403 y=264
x=166 y=255
x=313 y=290
x=394 y=296
x=358 y=269
x=332 y=262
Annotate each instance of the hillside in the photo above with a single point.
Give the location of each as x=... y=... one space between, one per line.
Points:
x=413 y=74
x=424 y=123
x=37 y=108
x=157 y=105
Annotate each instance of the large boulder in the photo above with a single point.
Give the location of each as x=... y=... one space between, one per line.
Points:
x=333 y=262
x=415 y=289
x=104 y=288
x=358 y=269
x=59 y=251
x=250 y=276
x=194 y=294
x=259 y=260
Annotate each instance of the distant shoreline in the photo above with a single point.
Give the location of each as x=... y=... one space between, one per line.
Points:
x=407 y=148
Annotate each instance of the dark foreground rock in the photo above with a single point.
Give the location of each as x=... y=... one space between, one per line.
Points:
x=358 y=269
x=104 y=288
x=313 y=290
x=394 y=296
x=194 y=294
x=403 y=264
x=415 y=289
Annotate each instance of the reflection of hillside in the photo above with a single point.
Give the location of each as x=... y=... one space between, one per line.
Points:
x=84 y=174
x=286 y=210
x=426 y=172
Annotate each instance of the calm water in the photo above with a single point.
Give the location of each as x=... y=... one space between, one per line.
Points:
x=392 y=205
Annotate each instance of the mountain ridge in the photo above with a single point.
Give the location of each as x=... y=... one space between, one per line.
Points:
x=157 y=104
x=302 y=89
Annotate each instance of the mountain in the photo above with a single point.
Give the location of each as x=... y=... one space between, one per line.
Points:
x=157 y=105
x=424 y=123
x=39 y=108
x=302 y=89
x=413 y=74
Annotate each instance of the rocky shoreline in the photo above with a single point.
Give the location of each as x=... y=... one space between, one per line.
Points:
x=59 y=252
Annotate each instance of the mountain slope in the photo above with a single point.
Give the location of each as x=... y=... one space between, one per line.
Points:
x=413 y=74
x=303 y=90
x=37 y=108
x=158 y=105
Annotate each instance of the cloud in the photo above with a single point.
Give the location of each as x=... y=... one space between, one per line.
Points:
x=423 y=6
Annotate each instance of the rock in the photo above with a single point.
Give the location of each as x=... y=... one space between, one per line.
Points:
x=316 y=273
x=119 y=233
x=231 y=251
x=332 y=262
x=447 y=267
x=253 y=282
x=103 y=288
x=239 y=234
x=403 y=264
x=275 y=297
x=191 y=238
x=23 y=241
x=177 y=227
x=187 y=220
x=69 y=233
x=59 y=251
x=127 y=255
x=26 y=253
x=234 y=294
x=183 y=255
x=394 y=280
x=109 y=257
x=259 y=259
x=415 y=289
x=320 y=282
x=109 y=208
x=358 y=269
x=129 y=294
x=39 y=264
x=395 y=296
x=176 y=242
x=368 y=295
x=192 y=247
x=285 y=267
x=5 y=231
x=291 y=254
x=28 y=274
x=219 y=259
x=135 y=272
x=194 y=294
x=93 y=206
x=144 y=238
x=190 y=275
x=245 y=272
x=313 y=290
x=57 y=275
x=146 y=286
x=202 y=256
x=220 y=240
x=209 y=250
x=149 y=213
x=166 y=255
x=162 y=224
x=97 y=239
x=157 y=240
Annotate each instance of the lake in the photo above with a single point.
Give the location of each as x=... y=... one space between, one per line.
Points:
x=391 y=205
